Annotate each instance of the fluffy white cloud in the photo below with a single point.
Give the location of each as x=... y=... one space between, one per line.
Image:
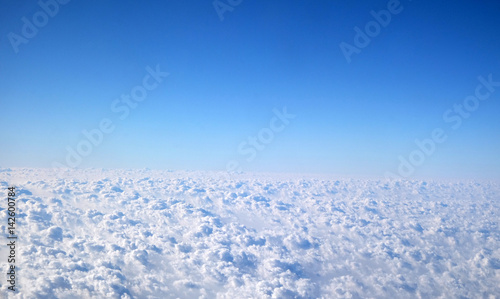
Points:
x=153 y=234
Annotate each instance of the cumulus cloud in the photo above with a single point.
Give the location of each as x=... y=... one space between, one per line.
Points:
x=153 y=234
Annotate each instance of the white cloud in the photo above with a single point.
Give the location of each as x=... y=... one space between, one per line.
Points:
x=119 y=234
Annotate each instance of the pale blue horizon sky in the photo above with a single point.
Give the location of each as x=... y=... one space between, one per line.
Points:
x=226 y=77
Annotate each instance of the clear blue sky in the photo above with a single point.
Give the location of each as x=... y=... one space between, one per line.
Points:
x=226 y=77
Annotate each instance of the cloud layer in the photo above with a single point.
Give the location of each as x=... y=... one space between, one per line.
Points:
x=152 y=234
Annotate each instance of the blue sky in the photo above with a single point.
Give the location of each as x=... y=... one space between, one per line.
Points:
x=226 y=77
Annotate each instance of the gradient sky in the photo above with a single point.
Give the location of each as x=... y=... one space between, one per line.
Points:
x=226 y=77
